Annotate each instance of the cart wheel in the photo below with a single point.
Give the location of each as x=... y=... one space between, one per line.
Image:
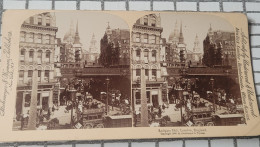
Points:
x=88 y=126
x=199 y=123
x=210 y=124
x=99 y=126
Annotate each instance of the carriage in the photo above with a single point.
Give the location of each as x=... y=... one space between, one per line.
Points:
x=93 y=118
x=202 y=116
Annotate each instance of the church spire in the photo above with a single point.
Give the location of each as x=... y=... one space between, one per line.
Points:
x=76 y=38
x=181 y=39
x=196 y=47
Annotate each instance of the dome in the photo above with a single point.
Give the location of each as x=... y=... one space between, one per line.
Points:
x=171 y=37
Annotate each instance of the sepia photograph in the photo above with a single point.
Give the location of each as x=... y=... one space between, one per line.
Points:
x=74 y=72
x=184 y=72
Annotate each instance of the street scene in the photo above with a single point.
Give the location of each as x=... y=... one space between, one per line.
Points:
x=74 y=72
x=184 y=72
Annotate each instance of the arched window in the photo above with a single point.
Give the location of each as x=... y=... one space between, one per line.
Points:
x=39 y=40
x=31 y=54
x=39 y=57
x=48 y=56
x=31 y=37
x=153 y=21
x=145 y=20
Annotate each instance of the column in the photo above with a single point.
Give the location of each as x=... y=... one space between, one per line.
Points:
x=23 y=98
x=41 y=99
x=43 y=56
x=134 y=75
x=51 y=75
x=141 y=55
x=157 y=59
x=160 y=95
x=158 y=73
x=144 y=109
x=150 y=74
x=134 y=54
x=50 y=98
x=42 y=75
x=51 y=57
x=25 y=76
x=26 y=56
x=150 y=56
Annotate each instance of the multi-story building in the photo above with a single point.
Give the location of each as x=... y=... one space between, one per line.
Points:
x=219 y=48
x=36 y=51
x=146 y=48
x=115 y=47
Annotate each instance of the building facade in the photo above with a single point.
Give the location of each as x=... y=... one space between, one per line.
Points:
x=37 y=51
x=146 y=48
x=219 y=48
x=115 y=47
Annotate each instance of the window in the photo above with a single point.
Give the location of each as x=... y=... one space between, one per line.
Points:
x=154 y=72
x=22 y=55
x=39 y=38
x=39 y=57
x=153 y=21
x=138 y=72
x=137 y=39
x=39 y=76
x=48 y=56
x=30 y=73
x=145 y=38
x=22 y=37
x=48 y=21
x=31 y=20
x=145 y=20
x=154 y=53
x=152 y=39
x=47 y=39
x=146 y=72
x=46 y=75
x=21 y=73
x=31 y=55
x=39 y=20
x=138 y=53
x=146 y=56
x=138 y=98
x=31 y=37
x=27 y=100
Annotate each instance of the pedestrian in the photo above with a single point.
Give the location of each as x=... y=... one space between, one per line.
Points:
x=22 y=121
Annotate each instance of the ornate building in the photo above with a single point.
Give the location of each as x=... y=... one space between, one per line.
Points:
x=195 y=56
x=176 y=52
x=146 y=48
x=219 y=48
x=115 y=48
x=37 y=49
x=91 y=57
x=73 y=47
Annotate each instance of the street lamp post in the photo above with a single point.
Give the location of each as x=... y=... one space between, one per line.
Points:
x=107 y=107
x=213 y=94
x=72 y=96
x=180 y=96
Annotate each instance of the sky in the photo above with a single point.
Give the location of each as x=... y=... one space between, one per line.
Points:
x=96 y=22
x=193 y=24
x=88 y=23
